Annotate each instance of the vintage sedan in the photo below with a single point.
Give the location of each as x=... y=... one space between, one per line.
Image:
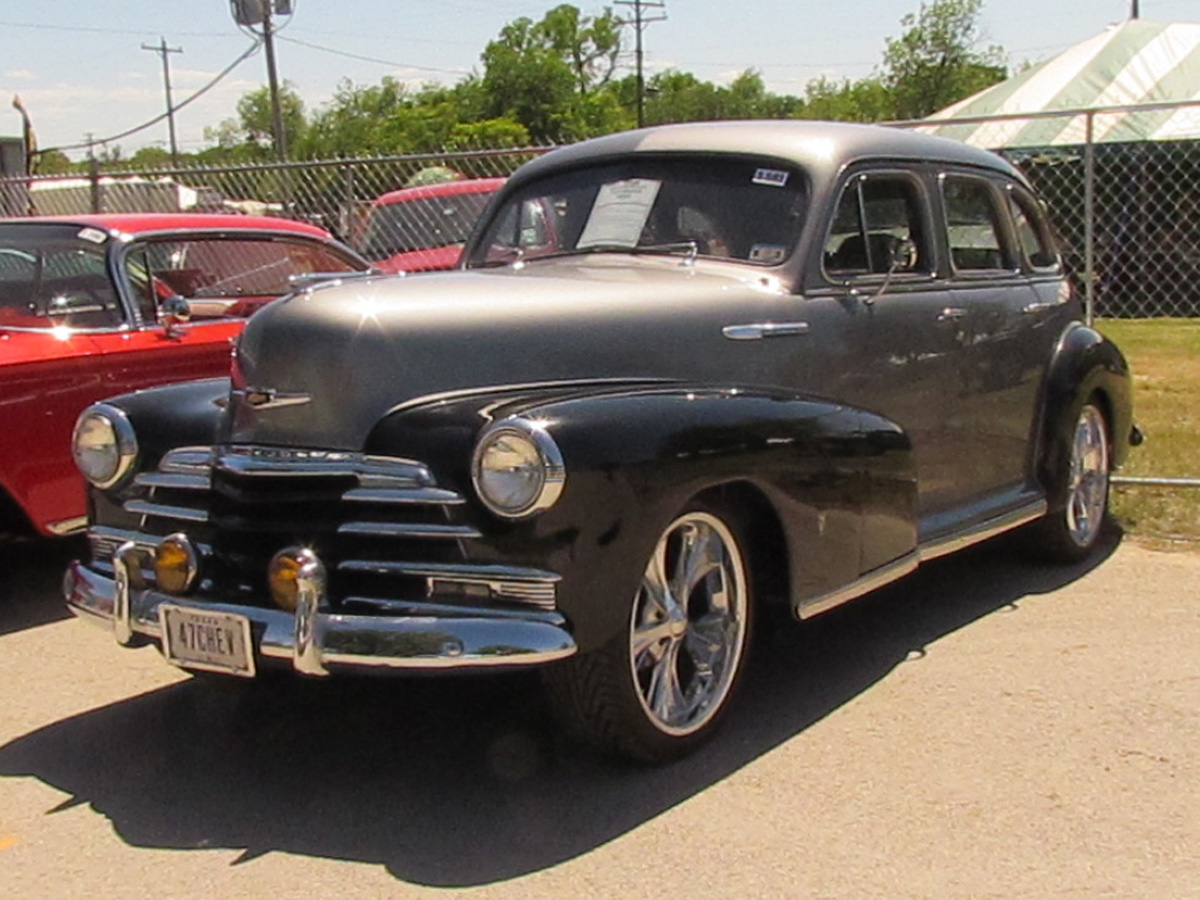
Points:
x=90 y=306
x=769 y=362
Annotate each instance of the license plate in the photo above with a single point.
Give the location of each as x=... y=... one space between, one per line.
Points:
x=213 y=641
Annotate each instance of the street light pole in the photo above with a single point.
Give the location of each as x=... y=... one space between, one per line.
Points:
x=163 y=49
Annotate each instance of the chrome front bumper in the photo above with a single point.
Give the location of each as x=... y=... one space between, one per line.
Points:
x=313 y=639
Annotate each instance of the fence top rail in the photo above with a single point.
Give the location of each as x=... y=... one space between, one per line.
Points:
x=294 y=165
x=1042 y=114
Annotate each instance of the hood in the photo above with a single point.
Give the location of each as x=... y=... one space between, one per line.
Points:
x=325 y=365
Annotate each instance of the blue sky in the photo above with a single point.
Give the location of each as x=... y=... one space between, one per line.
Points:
x=79 y=67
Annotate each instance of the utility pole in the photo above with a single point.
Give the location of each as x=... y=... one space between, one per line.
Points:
x=1134 y=11
x=163 y=49
x=249 y=13
x=640 y=21
x=273 y=81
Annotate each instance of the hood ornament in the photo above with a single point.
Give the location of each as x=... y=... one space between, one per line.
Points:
x=269 y=398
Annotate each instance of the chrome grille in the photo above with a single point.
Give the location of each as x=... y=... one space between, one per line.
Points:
x=383 y=525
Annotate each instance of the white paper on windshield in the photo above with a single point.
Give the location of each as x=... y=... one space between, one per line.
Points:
x=619 y=213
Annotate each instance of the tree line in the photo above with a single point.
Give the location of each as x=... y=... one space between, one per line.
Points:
x=559 y=80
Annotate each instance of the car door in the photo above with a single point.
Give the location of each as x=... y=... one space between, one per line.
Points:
x=1007 y=340
x=909 y=367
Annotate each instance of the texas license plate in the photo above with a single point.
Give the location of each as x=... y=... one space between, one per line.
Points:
x=213 y=641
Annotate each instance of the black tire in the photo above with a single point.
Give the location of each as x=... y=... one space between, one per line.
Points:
x=659 y=688
x=1072 y=529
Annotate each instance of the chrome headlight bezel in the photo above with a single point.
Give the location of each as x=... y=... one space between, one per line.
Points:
x=123 y=441
x=546 y=481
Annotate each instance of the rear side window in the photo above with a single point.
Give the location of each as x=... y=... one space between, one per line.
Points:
x=877 y=228
x=974 y=225
x=1033 y=231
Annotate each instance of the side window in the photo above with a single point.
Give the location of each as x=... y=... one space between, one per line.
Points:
x=877 y=228
x=1033 y=232
x=137 y=273
x=974 y=225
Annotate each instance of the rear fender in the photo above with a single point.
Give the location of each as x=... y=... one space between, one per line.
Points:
x=1085 y=364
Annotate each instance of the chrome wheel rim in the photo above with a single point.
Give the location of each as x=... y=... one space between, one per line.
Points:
x=688 y=627
x=1087 y=493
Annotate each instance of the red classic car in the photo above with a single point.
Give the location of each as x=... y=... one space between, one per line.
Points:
x=421 y=229
x=89 y=308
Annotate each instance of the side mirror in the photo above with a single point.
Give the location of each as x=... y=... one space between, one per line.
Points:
x=173 y=314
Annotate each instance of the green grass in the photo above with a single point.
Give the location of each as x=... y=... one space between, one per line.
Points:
x=1164 y=355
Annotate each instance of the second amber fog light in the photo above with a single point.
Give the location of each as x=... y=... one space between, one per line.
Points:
x=176 y=564
x=284 y=574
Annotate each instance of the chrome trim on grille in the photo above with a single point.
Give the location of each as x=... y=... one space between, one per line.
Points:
x=371 y=471
x=436 y=496
x=533 y=586
x=68 y=526
x=187 y=461
x=408 y=530
x=174 y=481
x=182 y=513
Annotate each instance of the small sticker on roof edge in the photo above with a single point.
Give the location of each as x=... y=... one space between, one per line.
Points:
x=772 y=177
x=95 y=235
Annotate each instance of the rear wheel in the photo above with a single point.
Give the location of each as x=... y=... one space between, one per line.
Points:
x=659 y=687
x=1071 y=533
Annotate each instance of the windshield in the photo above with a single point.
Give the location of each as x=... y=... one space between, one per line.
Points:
x=56 y=278
x=732 y=208
x=421 y=224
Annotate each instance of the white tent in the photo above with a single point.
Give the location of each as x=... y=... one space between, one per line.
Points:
x=1138 y=63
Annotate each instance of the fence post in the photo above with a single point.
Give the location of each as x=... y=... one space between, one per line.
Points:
x=1089 y=218
x=94 y=184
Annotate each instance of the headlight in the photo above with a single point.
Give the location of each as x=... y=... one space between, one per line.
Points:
x=518 y=469
x=104 y=445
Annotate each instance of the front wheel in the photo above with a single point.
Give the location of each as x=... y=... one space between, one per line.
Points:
x=1070 y=533
x=657 y=689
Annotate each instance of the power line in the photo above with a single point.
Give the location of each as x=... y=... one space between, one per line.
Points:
x=92 y=30
x=91 y=142
x=371 y=59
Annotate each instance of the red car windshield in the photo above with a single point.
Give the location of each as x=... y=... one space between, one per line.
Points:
x=421 y=224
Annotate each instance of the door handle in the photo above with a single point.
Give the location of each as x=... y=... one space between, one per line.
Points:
x=952 y=313
x=1032 y=308
x=760 y=330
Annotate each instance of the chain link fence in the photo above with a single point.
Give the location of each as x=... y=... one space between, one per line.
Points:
x=389 y=208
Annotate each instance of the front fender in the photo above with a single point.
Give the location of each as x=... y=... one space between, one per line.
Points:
x=840 y=482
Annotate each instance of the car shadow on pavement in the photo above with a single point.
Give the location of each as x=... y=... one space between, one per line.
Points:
x=466 y=781
x=31 y=574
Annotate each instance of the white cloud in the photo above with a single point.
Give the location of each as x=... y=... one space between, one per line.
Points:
x=20 y=74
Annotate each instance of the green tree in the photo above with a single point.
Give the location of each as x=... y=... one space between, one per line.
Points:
x=937 y=60
x=252 y=132
x=864 y=100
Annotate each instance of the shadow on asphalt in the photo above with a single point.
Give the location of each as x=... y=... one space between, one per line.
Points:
x=459 y=782
x=31 y=575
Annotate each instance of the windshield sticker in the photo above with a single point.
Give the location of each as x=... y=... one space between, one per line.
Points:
x=95 y=235
x=772 y=177
x=767 y=253
x=620 y=213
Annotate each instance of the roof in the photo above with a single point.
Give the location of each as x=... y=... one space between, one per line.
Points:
x=137 y=223
x=820 y=147
x=441 y=189
x=1136 y=63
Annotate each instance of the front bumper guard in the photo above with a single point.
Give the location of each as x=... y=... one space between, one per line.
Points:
x=314 y=638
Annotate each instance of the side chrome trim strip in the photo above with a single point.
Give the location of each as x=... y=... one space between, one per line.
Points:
x=983 y=531
x=871 y=581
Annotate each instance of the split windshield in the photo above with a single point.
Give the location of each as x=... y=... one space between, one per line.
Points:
x=732 y=208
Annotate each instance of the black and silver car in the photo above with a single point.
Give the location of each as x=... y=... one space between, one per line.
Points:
x=681 y=373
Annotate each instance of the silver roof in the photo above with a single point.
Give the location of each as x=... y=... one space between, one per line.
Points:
x=822 y=148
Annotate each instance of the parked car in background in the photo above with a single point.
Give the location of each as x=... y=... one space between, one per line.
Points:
x=90 y=306
x=420 y=229
x=756 y=363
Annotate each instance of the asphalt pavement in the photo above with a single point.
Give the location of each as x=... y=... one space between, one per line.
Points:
x=986 y=728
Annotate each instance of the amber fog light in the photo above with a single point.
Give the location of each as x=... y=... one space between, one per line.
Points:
x=175 y=564
x=284 y=573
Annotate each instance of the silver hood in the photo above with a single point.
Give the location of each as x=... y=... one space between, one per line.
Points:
x=320 y=368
